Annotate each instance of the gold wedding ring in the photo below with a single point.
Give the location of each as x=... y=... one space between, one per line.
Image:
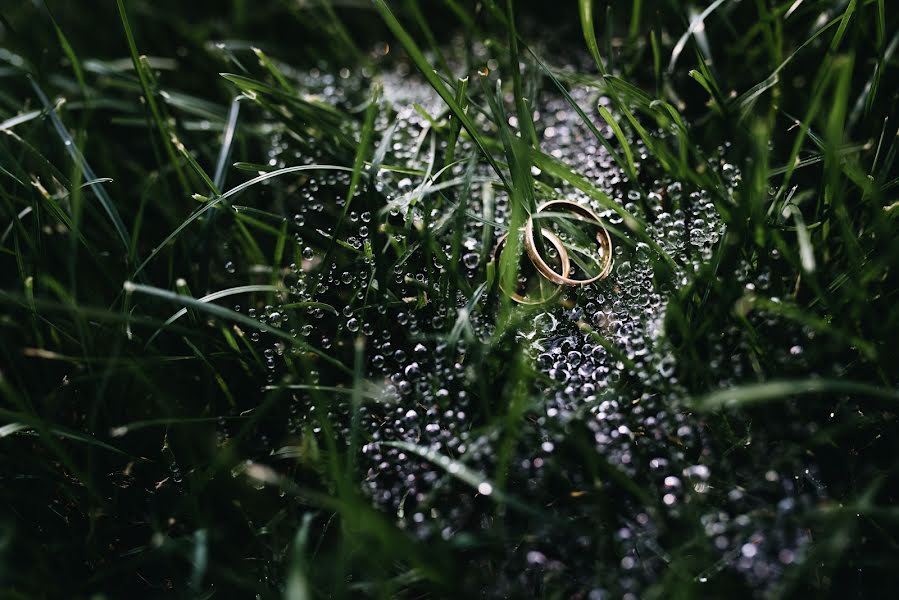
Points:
x=581 y=213
x=563 y=258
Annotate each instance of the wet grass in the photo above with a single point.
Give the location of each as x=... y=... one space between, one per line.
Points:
x=157 y=438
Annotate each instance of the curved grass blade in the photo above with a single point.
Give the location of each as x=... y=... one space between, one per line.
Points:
x=625 y=146
x=19 y=119
x=244 y=289
x=695 y=25
x=233 y=192
x=227 y=140
x=463 y=473
x=588 y=122
x=586 y=14
x=25 y=422
x=558 y=169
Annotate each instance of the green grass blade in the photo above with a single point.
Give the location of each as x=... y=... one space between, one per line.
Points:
x=424 y=67
x=763 y=393
x=229 y=194
x=230 y=315
x=144 y=75
x=587 y=27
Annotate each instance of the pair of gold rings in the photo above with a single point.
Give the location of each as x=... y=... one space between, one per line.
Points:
x=580 y=213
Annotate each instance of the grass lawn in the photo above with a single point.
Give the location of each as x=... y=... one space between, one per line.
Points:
x=284 y=312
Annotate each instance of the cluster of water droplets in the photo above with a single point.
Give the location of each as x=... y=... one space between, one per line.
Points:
x=606 y=368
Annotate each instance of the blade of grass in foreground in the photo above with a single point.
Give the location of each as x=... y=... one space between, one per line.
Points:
x=525 y=114
x=463 y=473
x=244 y=289
x=586 y=13
x=761 y=393
x=521 y=193
x=232 y=192
x=297 y=580
x=696 y=24
x=224 y=313
x=144 y=75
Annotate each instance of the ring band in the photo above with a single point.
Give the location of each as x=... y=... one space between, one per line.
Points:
x=582 y=213
x=563 y=257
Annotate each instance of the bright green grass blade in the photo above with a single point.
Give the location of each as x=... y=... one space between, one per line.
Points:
x=297 y=586
x=455 y=125
x=316 y=110
x=195 y=165
x=622 y=140
x=243 y=289
x=636 y=13
x=580 y=112
x=586 y=15
x=525 y=114
x=230 y=315
x=521 y=192
x=145 y=76
x=844 y=25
